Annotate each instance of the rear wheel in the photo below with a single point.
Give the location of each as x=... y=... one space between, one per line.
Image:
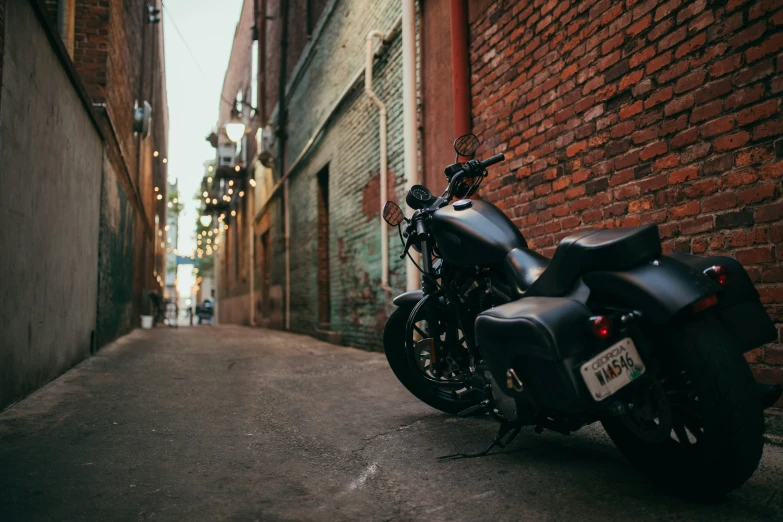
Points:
x=414 y=370
x=699 y=428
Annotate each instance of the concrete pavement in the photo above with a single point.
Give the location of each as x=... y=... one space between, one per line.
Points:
x=231 y=423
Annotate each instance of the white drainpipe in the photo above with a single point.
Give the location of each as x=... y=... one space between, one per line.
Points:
x=382 y=130
x=410 y=124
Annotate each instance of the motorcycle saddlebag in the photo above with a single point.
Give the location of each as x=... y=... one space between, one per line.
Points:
x=543 y=339
x=739 y=307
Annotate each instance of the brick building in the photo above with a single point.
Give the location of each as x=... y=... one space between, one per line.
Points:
x=617 y=114
x=332 y=170
x=84 y=182
x=316 y=239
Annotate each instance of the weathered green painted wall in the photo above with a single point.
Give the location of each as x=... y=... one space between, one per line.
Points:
x=115 y=260
x=350 y=147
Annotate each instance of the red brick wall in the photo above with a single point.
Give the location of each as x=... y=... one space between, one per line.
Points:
x=619 y=114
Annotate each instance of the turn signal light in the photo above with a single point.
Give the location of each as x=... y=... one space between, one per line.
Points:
x=718 y=273
x=601 y=326
x=705 y=303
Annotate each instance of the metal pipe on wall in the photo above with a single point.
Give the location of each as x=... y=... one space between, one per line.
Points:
x=410 y=120
x=251 y=251
x=66 y=23
x=287 y=210
x=382 y=132
x=460 y=66
x=281 y=136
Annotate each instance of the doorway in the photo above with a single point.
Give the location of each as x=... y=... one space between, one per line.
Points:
x=324 y=305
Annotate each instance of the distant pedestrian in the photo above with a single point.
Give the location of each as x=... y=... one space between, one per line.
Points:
x=190 y=315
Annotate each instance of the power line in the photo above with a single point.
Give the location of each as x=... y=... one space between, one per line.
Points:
x=190 y=52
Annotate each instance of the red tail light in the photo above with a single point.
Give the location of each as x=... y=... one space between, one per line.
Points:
x=718 y=273
x=601 y=326
x=705 y=303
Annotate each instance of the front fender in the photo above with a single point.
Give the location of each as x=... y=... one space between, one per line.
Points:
x=659 y=289
x=409 y=298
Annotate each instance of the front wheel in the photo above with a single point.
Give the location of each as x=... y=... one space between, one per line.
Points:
x=417 y=379
x=705 y=404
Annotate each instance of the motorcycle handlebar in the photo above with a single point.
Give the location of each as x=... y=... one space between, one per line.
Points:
x=447 y=194
x=497 y=158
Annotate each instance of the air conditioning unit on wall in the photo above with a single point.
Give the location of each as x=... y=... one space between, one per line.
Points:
x=142 y=118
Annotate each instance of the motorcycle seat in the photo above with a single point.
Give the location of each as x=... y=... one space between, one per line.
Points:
x=523 y=267
x=588 y=250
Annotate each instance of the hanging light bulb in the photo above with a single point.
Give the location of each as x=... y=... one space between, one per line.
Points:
x=230 y=191
x=252 y=182
x=210 y=169
x=214 y=201
x=206 y=194
x=160 y=196
x=236 y=169
x=231 y=183
x=209 y=179
x=241 y=193
x=155 y=154
x=165 y=160
x=233 y=212
x=205 y=220
x=157 y=189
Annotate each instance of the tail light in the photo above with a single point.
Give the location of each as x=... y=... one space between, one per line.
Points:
x=705 y=303
x=601 y=326
x=719 y=274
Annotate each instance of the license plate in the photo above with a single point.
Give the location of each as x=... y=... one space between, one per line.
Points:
x=612 y=369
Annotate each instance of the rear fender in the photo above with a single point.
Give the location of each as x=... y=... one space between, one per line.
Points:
x=659 y=289
x=739 y=307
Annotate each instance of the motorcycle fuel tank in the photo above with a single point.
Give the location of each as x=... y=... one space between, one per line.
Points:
x=477 y=233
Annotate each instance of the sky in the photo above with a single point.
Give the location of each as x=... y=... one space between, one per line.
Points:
x=207 y=28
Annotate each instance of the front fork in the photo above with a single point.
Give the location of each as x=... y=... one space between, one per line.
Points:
x=429 y=287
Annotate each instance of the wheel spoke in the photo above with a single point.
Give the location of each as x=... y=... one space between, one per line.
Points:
x=420 y=331
x=679 y=430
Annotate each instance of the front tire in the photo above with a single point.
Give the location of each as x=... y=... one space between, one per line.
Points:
x=723 y=420
x=394 y=346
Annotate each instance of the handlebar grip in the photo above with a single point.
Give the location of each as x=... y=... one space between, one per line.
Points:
x=497 y=158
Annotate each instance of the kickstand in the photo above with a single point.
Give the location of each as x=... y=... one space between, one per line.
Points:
x=505 y=428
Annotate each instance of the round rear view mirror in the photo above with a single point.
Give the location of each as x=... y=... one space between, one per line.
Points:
x=466 y=145
x=392 y=213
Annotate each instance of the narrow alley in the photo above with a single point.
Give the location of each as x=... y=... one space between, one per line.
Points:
x=233 y=423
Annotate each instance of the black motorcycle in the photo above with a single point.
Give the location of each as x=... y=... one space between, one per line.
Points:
x=608 y=330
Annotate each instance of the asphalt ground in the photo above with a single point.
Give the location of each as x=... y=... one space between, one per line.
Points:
x=232 y=423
